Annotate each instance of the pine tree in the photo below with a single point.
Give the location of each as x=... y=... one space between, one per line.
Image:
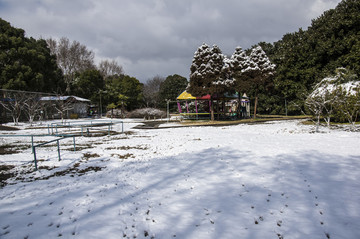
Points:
x=239 y=60
x=207 y=72
x=242 y=66
x=260 y=72
x=222 y=72
x=200 y=71
x=259 y=57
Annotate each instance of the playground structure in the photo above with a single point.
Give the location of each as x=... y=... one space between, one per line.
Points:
x=69 y=130
x=227 y=106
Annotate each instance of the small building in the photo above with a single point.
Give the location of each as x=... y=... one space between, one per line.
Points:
x=70 y=106
x=228 y=106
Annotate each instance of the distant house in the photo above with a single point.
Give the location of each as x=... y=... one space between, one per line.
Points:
x=68 y=105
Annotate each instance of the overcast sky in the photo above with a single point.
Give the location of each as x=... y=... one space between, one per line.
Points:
x=159 y=37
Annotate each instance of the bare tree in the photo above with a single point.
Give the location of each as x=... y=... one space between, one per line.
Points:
x=52 y=44
x=63 y=105
x=71 y=57
x=13 y=101
x=316 y=107
x=322 y=101
x=109 y=68
x=32 y=106
x=151 y=91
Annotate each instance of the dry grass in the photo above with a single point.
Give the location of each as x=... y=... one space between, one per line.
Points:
x=259 y=119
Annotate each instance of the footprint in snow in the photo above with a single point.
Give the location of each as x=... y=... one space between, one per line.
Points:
x=6 y=231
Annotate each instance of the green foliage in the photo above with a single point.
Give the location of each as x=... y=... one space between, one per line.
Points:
x=171 y=88
x=305 y=57
x=26 y=63
x=111 y=106
x=87 y=84
x=347 y=108
x=122 y=101
x=129 y=87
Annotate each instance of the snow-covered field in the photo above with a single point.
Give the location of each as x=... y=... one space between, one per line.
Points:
x=272 y=180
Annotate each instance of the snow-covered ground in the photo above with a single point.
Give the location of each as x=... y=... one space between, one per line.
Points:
x=271 y=180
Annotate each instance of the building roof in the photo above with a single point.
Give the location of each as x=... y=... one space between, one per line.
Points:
x=187 y=96
x=48 y=98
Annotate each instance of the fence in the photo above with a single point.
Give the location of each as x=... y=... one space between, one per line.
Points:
x=53 y=131
x=51 y=141
x=84 y=126
x=33 y=147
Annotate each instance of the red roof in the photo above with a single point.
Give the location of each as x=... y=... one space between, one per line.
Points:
x=205 y=97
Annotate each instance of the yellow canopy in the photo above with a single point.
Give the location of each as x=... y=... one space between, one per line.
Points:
x=185 y=96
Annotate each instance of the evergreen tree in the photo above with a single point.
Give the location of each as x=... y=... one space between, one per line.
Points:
x=26 y=63
x=252 y=73
x=129 y=87
x=171 y=88
x=87 y=84
x=304 y=58
x=208 y=73
x=200 y=72
x=242 y=66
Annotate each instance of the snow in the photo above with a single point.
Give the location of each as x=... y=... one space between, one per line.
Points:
x=47 y=98
x=329 y=85
x=271 y=180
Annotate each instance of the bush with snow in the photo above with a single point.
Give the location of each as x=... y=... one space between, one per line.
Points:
x=337 y=96
x=148 y=113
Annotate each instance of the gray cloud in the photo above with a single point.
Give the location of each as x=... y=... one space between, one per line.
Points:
x=159 y=37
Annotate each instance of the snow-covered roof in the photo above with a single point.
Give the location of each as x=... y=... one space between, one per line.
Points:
x=48 y=98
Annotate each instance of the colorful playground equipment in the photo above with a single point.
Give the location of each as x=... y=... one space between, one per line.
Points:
x=226 y=106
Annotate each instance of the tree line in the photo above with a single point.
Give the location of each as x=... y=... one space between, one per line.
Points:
x=64 y=67
x=296 y=64
x=305 y=57
x=299 y=61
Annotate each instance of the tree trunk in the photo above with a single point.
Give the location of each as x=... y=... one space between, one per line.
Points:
x=223 y=109
x=212 y=110
x=31 y=119
x=317 y=124
x=255 y=107
x=15 y=120
x=239 y=116
x=327 y=119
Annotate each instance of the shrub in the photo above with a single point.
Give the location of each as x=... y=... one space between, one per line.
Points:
x=148 y=113
x=74 y=116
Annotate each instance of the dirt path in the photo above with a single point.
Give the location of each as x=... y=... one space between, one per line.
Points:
x=7 y=128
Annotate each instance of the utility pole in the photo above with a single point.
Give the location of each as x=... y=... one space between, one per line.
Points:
x=101 y=91
x=167 y=109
